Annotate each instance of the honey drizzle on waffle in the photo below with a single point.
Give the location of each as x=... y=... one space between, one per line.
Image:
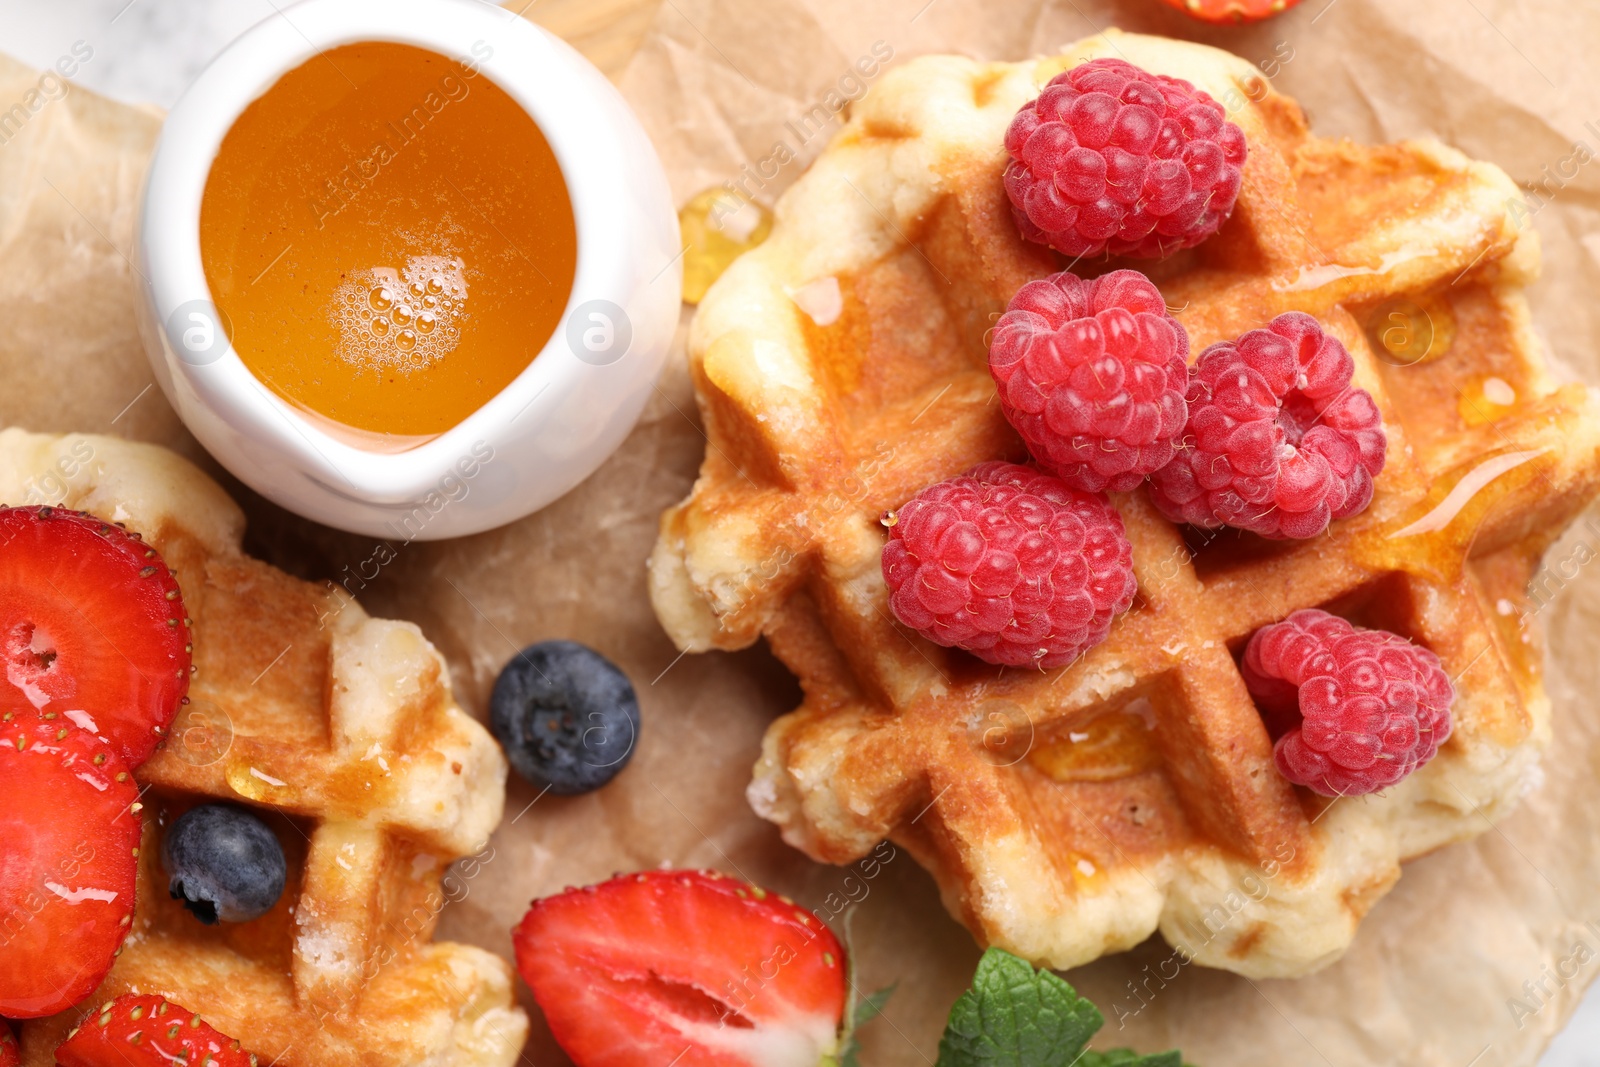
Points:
x=818 y=430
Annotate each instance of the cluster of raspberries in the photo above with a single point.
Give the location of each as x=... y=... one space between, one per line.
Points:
x=1028 y=566
x=1268 y=434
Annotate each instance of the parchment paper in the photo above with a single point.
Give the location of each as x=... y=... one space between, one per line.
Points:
x=1437 y=975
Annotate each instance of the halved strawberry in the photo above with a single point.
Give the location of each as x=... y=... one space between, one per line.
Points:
x=69 y=835
x=149 y=1031
x=691 y=968
x=92 y=627
x=10 y=1054
x=1232 y=10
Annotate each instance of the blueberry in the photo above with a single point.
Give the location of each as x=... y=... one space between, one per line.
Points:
x=567 y=717
x=225 y=864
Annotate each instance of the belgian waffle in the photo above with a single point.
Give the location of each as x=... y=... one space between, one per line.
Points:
x=1072 y=813
x=340 y=730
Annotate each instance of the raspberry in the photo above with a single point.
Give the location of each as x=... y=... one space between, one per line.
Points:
x=1111 y=158
x=1232 y=12
x=1278 y=441
x=1092 y=375
x=1011 y=564
x=1362 y=708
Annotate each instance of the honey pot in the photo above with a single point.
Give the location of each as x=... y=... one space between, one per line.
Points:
x=391 y=237
x=410 y=268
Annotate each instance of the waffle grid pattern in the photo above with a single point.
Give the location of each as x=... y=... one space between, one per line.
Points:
x=339 y=730
x=1075 y=812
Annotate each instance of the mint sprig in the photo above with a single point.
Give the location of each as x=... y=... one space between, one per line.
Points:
x=1126 y=1057
x=858 y=1010
x=861 y=1011
x=1015 y=1016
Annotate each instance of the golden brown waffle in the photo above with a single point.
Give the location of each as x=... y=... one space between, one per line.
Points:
x=339 y=729
x=1072 y=813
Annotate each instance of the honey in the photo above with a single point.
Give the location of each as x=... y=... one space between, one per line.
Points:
x=1432 y=538
x=390 y=239
x=251 y=782
x=1486 y=400
x=717 y=228
x=1406 y=332
x=1111 y=745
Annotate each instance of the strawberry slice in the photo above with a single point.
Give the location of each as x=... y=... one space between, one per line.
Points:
x=686 y=967
x=69 y=832
x=1232 y=10
x=10 y=1054
x=92 y=627
x=149 y=1031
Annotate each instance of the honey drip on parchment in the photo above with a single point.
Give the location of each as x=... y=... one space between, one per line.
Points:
x=717 y=227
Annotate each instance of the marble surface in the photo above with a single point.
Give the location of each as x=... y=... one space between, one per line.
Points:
x=148 y=51
x=144 y=50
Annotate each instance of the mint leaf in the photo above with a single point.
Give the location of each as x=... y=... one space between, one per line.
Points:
x=1126 y=1057
x=856 y=1012
x=867 y=1008
x=871 y=1005
x=1014 y=1016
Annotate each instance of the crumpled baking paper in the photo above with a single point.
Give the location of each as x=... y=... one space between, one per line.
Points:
x=1480 y=953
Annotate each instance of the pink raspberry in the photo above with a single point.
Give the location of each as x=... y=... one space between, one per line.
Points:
x=1278 y=441
x=1092 y=375
x=1357 y=710
x=1111 y=158
x=1012 y=565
